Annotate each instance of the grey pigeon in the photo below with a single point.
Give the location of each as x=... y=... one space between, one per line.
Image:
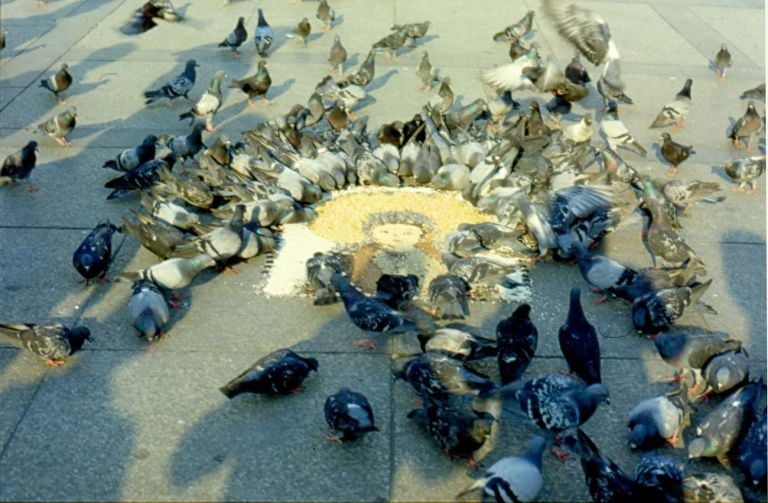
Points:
x=156 y=235
x=53 y=343
x=60 y=126
x=439 y=375
x=726 y=371
x=426 y=73
x=180 y=85
x=142 y=176
x=457 y=341
x=350 y=413
x=236 y=38
x=516 y=341
x=186 y=146
x=170 y=212
x=19 y=166
x=320 y=268
x=221 y=244
x=616 y=133
x=513 y=478
x=132 y=157
x=674 y=112
x=692 y=351
x=208 y=104
x=660 y=478
x=263 y=35
x=337 y=56
x=449 y=296
x=661 y=239
x=659 y=309
x=722 y=61
x=59 y=82
x=711 y=488
x=363 y=75
x=746 y=171
x=148 y=309
x=94 y=255
x=578 y=342
x=174 y=273
x=517 y=30
x=610 y=276
x=660 y=419
x=747 y=126
x=279 y=373
x=391 y=43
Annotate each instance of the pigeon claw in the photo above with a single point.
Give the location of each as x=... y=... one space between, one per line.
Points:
x=63 y=142
x=366 y=343
x=560 y=455
x=54 y=362
x=331 y=437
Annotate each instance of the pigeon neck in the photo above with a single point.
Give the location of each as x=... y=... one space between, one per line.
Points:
x=215 y=87
x=575 y=311
x=686 y=90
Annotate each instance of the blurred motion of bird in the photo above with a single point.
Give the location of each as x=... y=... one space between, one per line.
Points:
x=722 y=61
x=326 y=14
x=19 y=166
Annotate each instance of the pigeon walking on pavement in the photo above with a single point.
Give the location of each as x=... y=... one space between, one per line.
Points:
x=722 y=61
x=19 y=166
x=326 y=14
x=301 y=31
x=94 y=255
x=60 y=126
x=674 y=112
x=255 y=86
x=208 y=104
x=674 y=153
x=236 y=38
x=59 y=82
x=133 y=157
x=279 y=373
x=747 y=126
x=745 y=172
x=263 y=35
x=53 y=343
x=181 y=85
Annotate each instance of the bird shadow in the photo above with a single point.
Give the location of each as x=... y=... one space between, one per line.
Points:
x=278 y=38
x=381 y=81
x=352 y=60
x=406 y=49
x=314 y=36
x=279 y=90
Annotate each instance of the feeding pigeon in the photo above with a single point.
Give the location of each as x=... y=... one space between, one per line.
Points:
x=726 y=371
x=606 y=481
x=660 y=419
x=208 y=104
x=746 y=171
x=236 y=38
x=517 y=30
x=19 y=166
x=426 y=73
x=457 y=342
x=610 y=84
x=350 y=413
x=578 y=342
x=320 y=268
x=439 y=375
x=747 y=126
x=660 y=478
x=256 y=85
x=449 y=294
x=148 y=309
x=363 y=75
x=53 y=343
x=674 y=153
x=719 y=430
x=674 y=112
x=263 y=36
x=133 y=157
x=301 y=31
x=221 y=244
x=326 y=14
x=278 y=373
x=610 y=276
x=142 y=176
x=391 y=43
x=181 y=85
x=59 y=82
x=513 y=478
x=661 y=239
x=616 y=133
x=659 y=309
x=692 y=351
x=458 y=430
x=186 y=146
x=750 y=450
x=722 y=61
x=174 y=273
x=711 y=488
x=337 y=56
x=59 y=126
x=170 y=212
x=516 y=341
x=93 y=256
x=682 y=194
x=396 y=291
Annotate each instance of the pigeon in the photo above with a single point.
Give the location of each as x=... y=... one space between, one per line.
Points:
x=148 y=309
x=585 y=30
x=513 y=478
x=515 y=76
x=301 y=31
x=326 y=14
x=617 y=169
x=692 y=352
x=93 y=256
x=606 y=481
x=517 y=30
x=449 y=295
x=320 y=268
x=616 y=133
x=660 y=478
x=756 y=93
x=170 y=212
x=174 y=273
x=682 y=194
x=397 y=291
x=581 y=132
x=554 y=402
x=58 y=83
x=610 y=276
x=3 y=34
x=221 y=244
x=59 y=126
x=750 y=451
x=263 y=36
x=711 y=488
x=350 y=413
x=413 y=30
x=337 y=56
x=578 y=342
x=746 y=171
x=208 y=104
x=717 y=433
x=726 y=371
x=19 y=166
x=278 y=373
x=722 y=61
x=439 y=375
x=181 y=85
x=576 y=73
x=660 y=419
x=391 y=43
x=459 y=431
x=256 y=85
x=236 y=38
x=457 y=342
x=186 y=146
x=363 y=75
x=659 y=309
x=133 y=157
x=674 y=112
x=53 y=343
x=426 y=73
x=142 y=176
x=516 y=341
x=674 y=153
x=659 y=236
x=746 y=126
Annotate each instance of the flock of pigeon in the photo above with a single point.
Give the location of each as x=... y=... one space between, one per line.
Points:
x=555 y=193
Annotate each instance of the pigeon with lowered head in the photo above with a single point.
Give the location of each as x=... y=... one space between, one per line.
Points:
x=142 y=176
x=660 y=478
x=516 y=341
x=674 y=112
x=132 y=157
x=53 y=343
x=449 y=295
x=692 y=351
x=59 y=82
x=660 y=419
x=180 y=85
x=726 y=371
x=578 y=342
x=278 y=373
x=439 y=375
x=60 y=126
x=174 y=273
x=746 y=171
x=148 y=309
x=349 y=413
x=19 y=166
x=458 y=341
x=659 y=309
x=93 y=256
x=606 y=481
x=320 y=268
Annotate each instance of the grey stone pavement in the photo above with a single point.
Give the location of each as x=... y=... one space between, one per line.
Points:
x=124 y=422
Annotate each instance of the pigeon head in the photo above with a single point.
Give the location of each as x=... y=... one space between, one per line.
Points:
x=191 y=64
x=523 y=312
x=665 y=137
x=588 y=119
x=32 y=146
x=77 y=337
x=262 y=64
x=150 y=140
x=312 y=363
x=641 y=434
x=598 y=393
x=64 y=66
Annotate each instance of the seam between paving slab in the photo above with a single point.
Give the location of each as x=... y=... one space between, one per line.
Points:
x=24 y=412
